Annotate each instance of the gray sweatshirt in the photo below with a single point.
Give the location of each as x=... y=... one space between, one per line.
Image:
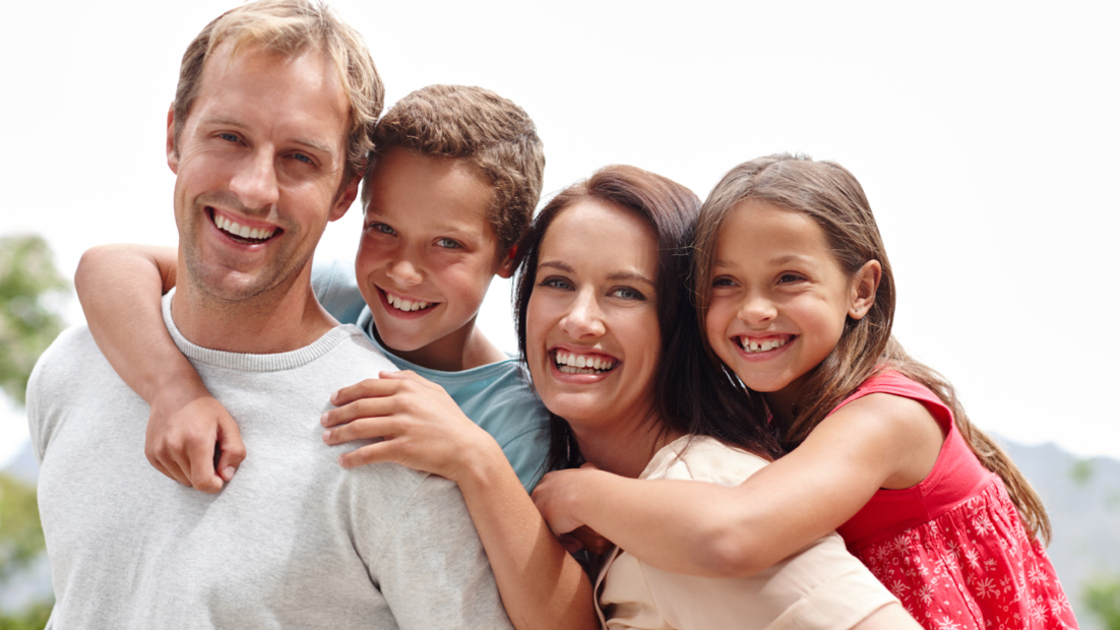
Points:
x=293 y=541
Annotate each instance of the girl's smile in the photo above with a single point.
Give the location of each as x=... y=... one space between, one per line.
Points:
x=779 y=300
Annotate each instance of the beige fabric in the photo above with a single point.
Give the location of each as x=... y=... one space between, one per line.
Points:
x=822 y=587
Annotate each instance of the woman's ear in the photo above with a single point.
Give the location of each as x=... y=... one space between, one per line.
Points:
x=865 y=283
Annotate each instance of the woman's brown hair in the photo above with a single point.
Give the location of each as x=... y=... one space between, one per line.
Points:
x=832 y=197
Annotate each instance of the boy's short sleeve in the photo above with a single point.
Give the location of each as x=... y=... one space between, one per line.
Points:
x=336 y=289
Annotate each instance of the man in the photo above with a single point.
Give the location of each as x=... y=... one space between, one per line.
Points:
x=266 y=137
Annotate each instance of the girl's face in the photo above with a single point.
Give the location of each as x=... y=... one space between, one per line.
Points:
x=779 y=299
x=593 y=339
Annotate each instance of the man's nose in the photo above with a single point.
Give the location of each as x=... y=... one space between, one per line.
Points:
x=254 y=183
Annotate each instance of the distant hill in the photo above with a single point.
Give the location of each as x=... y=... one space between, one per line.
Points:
x=1082 y=497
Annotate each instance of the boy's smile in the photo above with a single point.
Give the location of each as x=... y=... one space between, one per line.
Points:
x=427 y=255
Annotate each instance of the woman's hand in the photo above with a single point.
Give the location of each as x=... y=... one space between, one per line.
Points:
x=418 y=424
x=185 y=426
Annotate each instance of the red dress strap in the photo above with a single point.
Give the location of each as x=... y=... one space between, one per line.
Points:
x=956 y=475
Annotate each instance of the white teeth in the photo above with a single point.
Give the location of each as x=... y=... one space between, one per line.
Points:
x=753 y=345
x=405 y=305
x=244 y=231
x=572 y=363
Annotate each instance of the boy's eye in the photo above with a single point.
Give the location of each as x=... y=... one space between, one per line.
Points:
x=628 y=293
x=380 y=227
x=448 y=243
x=554 y=282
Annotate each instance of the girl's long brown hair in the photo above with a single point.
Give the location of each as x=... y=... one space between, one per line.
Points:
x=831 y=196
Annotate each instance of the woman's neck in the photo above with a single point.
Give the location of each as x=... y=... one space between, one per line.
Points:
x=623 y=448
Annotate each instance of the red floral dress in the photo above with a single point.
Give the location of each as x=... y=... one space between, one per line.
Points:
x=953 y=548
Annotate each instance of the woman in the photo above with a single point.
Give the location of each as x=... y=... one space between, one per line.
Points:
x=611 y=341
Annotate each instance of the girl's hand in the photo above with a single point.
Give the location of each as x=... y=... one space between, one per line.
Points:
x=185 y=426
x=555 y=497
x=420 y=426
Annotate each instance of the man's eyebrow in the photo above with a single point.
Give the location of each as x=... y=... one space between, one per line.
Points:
x=233 y=122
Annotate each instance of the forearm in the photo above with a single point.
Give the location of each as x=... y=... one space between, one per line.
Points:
x=541 y=585
x=119 y=287
x=679 y=526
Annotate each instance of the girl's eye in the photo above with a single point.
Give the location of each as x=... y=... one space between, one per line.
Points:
x=554 y=282
x=380 y=227
x=448 y=243
x=628 y=293
x=723 y=282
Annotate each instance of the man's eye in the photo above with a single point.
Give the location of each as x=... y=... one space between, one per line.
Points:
x=303 y=158
x=230 y=137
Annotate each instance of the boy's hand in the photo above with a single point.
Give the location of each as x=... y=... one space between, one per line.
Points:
x=183 y=431
x=421 y=427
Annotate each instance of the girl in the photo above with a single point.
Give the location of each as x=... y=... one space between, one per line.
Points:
x=797 y=299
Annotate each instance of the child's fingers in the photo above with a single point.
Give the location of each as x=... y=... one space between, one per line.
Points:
x=369 y=454
x=369 y=388
x=360 y=408
x=232 y=448
x=361 y=429
x=201 y=472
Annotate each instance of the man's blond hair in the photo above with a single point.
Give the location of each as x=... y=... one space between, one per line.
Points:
x=290 y=28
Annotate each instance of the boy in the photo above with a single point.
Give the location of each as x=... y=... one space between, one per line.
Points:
x=456 y=174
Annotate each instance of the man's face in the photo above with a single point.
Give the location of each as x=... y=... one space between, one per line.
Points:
x=260 y=163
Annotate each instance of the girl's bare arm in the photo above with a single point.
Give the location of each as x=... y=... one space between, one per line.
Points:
x=705 y=529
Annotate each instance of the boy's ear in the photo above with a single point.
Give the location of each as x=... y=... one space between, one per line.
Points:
x=865 y=283
x=505 y=270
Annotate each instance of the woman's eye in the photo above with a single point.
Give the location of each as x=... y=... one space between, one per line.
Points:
x=628 y=293
x=787 y=278
x=553 y=282
x=448 y=243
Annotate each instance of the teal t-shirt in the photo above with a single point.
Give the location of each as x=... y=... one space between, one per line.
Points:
x=497 y=397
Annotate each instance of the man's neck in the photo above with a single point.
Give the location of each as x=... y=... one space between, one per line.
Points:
x=283 y=319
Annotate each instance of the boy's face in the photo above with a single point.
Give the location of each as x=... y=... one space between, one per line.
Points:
x=427 y=253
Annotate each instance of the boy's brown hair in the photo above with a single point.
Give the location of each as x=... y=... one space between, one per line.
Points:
x=486 y=130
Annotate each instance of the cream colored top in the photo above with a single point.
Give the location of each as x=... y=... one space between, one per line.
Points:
x=821 y=587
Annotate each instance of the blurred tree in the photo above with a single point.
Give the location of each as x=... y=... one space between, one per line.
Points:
x=1102 y=597
x=30 y=292
x=29 y=321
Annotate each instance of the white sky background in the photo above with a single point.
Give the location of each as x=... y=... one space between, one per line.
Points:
x=985 y=135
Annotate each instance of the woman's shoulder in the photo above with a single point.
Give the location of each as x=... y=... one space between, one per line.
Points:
x=703 y=458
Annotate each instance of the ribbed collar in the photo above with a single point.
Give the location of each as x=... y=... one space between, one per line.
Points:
x=255 y=362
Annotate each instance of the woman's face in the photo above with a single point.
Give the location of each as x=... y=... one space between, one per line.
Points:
x=593 y=339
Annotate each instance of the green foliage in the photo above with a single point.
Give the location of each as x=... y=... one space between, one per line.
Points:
x=34 y=617
x=21 y=538
x=1082 y=472
x=1102 y=597
x=28 y=323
